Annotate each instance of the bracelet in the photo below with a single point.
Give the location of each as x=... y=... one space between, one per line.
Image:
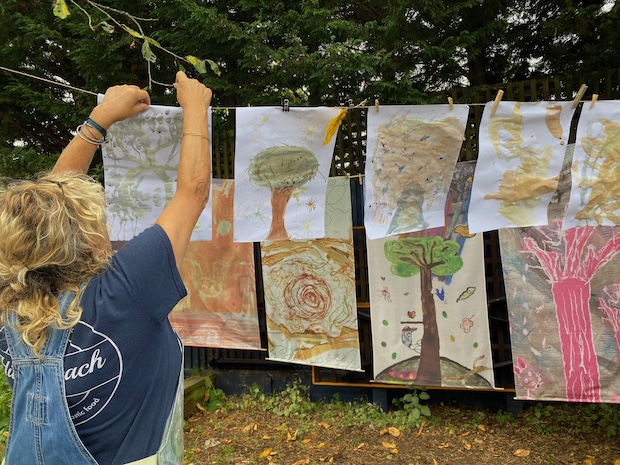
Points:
x=93 y=124
x=89 y=138
x=197 y=134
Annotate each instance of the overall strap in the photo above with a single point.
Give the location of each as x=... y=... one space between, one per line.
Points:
x=55 y=342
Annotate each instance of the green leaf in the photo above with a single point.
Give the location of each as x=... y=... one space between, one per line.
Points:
x=181 y=67
x=147 y=53
x=200 y=66
x=153 y=42
x=61 y=9
x=214 y=67
x=107 y=27
x=131 y=32
x=424 y=395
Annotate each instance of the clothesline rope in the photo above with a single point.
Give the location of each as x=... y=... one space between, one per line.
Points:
x=376 y=105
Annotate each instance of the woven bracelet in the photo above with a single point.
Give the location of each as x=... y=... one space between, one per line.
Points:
x=96 y=126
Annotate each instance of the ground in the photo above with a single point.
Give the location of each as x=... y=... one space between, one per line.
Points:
x=291 y=431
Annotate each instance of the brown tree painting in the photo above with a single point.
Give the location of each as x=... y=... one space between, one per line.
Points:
x=282 y=168
x=428 y=304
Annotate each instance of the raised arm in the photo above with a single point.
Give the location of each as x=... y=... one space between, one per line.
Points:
x=119 y=103
x=194 y=176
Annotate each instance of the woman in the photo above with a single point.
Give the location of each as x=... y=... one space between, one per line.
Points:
x=86 y=344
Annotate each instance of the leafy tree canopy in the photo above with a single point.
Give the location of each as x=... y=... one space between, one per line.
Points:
x=306 y=51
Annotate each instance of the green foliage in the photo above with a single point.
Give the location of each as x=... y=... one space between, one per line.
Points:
x=413 y=412
x=411 y=254
x=216 y=397
x=551 y=418
x=5 y=407
x=292 y=401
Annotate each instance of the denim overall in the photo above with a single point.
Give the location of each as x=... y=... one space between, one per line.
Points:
x=41 y=431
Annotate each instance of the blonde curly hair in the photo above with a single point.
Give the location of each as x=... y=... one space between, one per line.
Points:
x=54 y=238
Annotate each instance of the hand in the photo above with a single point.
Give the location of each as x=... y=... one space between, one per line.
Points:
x=191 y=93
x=119 y=103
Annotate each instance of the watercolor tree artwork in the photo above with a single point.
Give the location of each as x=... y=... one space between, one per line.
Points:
x=220 y=309
x=429 y=318
x=576 y=315
x=282 y=169
x=522 y=147
x=412 y=152
x=595 y=191
x=140 y=169
x=282 y=165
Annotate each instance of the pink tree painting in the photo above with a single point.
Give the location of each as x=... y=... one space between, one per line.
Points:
x=570 y=261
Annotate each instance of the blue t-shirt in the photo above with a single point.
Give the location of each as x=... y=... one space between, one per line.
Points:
x=123 y=361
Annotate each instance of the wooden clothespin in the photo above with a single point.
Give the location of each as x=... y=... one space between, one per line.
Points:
x=377 y=105
x=582 y=91
x=451 y=103
x=594 y=99
x=498 y=98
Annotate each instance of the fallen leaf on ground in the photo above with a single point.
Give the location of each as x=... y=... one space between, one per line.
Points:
x=291 y=437
x=466 y=445
x=421 y=426
x=211 y=443
x=444 y=445
x=306 y=441
x=587 y=462
x=393 y=431
x=248 y=428
x=521 y=452
x=388 y=445
x=359 y=446
x=201 y=408
x=265 y=453
x=482 y=427
x=325 y=425
x=302 y=462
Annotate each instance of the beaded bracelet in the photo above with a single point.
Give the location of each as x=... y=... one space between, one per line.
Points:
x=197 y=134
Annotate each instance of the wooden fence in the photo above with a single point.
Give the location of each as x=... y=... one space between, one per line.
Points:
x=349 y=160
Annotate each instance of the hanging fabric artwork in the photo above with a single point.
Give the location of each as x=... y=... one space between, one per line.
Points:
x=140 y=168
x=521 y=150
x=282 y=163
x=595 y=192
x=428 y=301
x=563 y=297
x=309 y=287
x=412 y=151
x=220 y=309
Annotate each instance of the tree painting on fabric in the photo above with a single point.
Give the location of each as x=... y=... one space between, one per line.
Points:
x=220 y=309
x=429 y=319
x=282 y=165
x=412 y=151
x=522 y=147
x=562 y=290
x=595 y=192
x=309 y=287
x=140 y=166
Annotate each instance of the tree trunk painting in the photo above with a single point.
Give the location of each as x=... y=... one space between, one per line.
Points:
x=279 y=201
x=571 y=297
x=429 y=371
x=426 y=256
x=569 y=260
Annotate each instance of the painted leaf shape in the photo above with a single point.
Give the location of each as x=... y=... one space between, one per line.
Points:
x=61 y=9
x=467 y=293
x=334 y=124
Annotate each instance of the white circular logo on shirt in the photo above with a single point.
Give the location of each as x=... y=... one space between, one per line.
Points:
x=92 y=372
